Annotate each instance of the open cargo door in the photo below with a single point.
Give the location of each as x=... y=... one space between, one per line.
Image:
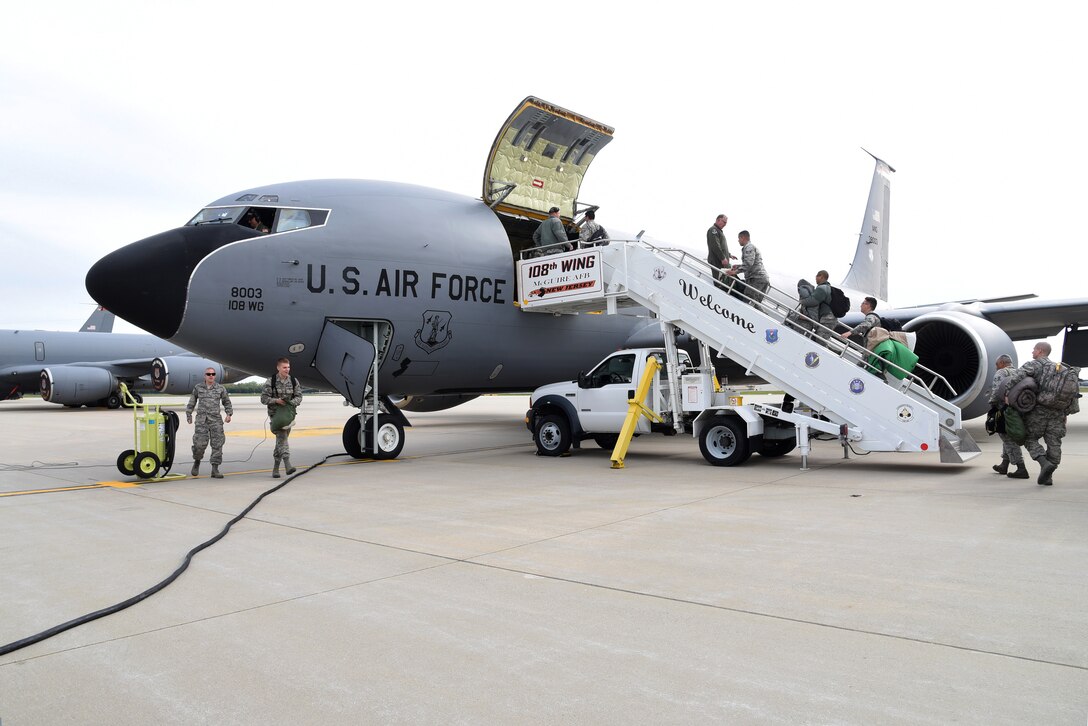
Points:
x=539 y=159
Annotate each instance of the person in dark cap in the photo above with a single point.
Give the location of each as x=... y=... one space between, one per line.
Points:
x=592 y=233
x=550 y=237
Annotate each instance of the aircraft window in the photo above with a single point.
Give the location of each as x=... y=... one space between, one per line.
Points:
x=246 y=198
x=272 y=198
x=300 y=218
x=216 y=215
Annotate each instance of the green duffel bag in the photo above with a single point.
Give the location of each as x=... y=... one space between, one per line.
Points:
x=283 y=417
x=1015 y=428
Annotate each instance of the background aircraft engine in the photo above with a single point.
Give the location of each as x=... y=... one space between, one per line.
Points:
x=179 y=374
x=964 y=349
x=76 y=385
x=427 y=403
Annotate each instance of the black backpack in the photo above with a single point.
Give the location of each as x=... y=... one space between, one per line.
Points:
x=891 y=324
x=599 y=234
x=840 y=304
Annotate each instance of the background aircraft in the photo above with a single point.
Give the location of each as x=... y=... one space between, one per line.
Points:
x=80 y=369
x=418 y=284
x=101 y=321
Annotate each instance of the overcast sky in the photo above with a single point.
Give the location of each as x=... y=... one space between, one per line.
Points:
x=120 y=120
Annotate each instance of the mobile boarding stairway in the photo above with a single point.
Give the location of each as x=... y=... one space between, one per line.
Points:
x=869 y=410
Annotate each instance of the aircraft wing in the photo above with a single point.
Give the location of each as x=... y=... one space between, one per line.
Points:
x=1023 y=318
x=130 y=368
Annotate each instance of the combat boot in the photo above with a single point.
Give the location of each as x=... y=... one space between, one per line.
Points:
x=215 y=472
x=195 y=471
x=1003 y=467
x=1046 y=470
x=276 y=469
x=287 y=466
x=1020 y=473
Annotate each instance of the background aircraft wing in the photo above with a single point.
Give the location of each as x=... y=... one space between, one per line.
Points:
x=131 y=368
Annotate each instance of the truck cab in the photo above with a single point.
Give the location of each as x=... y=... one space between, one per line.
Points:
x=594 y=406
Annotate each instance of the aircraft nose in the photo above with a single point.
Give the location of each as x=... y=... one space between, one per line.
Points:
x=147 y=282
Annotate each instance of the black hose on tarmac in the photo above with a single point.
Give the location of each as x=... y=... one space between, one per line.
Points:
x=57 y=629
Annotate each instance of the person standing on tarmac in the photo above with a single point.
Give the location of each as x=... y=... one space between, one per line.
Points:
x=1010 y=450
x=281 y=390
x=209 y=427
x=1044 y=422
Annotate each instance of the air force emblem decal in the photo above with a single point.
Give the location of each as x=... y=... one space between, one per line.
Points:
x=435 y=332
x=772 y=335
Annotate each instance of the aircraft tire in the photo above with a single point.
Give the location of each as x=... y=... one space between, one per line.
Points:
x=552 y=436
x=351 y=439
x=113 y=401
x=137 y=398
x=772 y=448
x=126 y=462
x=390 y=437
x=146 y=465
x=724 y=442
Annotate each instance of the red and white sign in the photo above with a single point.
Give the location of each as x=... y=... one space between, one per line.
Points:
x=560 y=277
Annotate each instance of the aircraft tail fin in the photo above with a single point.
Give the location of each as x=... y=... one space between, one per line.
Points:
x=101 y=321
x=869 y=270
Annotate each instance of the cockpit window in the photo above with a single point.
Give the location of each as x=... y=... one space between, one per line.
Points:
x=292 y=219
x=262 y=219
x=216 y=215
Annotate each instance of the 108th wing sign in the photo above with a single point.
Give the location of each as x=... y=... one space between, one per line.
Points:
x=561 y=277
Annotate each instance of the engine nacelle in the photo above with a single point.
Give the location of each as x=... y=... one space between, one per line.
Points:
x=75 y=385
x=179 y=374
x=964 y=349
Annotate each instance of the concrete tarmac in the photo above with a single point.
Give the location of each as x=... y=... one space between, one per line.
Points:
x=472 y=581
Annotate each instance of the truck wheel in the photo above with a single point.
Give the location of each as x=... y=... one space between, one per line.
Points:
x=390 y=437
x=552 y=436
x=606 y=441
x=778 y=447
x=724 y=442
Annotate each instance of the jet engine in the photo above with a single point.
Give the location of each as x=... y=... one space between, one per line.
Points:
x=76 y=385
x=964 y=349
x=179 y=374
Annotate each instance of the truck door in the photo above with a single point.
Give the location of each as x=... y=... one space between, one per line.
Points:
x=602 y=404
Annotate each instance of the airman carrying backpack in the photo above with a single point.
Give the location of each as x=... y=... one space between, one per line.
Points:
x=1060 y=387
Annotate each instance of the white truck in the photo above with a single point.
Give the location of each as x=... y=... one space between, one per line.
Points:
x=596 y=405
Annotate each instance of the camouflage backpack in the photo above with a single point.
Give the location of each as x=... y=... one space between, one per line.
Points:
x=1060 y=387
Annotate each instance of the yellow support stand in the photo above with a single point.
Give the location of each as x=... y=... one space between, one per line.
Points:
x=636 y=407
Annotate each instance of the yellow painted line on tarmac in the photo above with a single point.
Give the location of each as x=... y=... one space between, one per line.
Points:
x=182 y=477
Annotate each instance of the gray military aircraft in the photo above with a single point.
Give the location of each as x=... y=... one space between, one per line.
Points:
x=412 y=289
x=101 y=321
x=83 y=369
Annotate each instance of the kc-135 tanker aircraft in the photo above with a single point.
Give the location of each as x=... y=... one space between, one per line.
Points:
x=414 y=288
x=84 y=368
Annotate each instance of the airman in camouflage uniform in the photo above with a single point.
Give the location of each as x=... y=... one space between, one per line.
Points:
x=860 y=332
x=281 y=390
x=209 y=426
x=751 y=264
x=1010 y=450
x=1042 y=421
